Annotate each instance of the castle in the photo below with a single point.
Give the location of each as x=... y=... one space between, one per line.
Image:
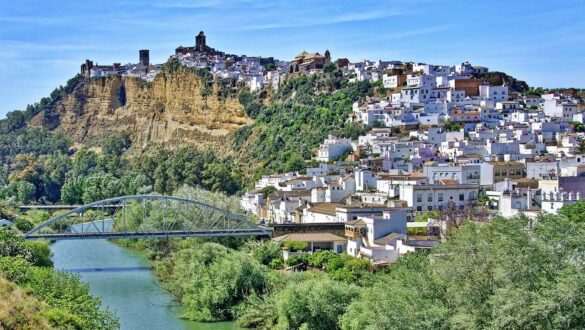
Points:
x=200 y=47
x=88 y=69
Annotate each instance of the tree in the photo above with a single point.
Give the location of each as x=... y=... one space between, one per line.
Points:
x=329 y=67
x=575 y=212
x=264 y=252
x=72 y=191
x=100 y=186
x=25 y=191
x=450 y=216
x=377 y=123
x=515 y=273
x=116 y=144
x=313 y=304
x=218 y=177
x=212 y=280
x=266 y=191
x=68 y=302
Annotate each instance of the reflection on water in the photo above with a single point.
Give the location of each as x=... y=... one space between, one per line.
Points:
x=124 y=282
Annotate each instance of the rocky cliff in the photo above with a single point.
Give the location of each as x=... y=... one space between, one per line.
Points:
x=180 y=106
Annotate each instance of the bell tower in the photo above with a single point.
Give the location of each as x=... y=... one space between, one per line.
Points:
x=200 y=44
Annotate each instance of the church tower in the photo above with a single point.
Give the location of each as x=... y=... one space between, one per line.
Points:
x=200 y=44
x=327 y=56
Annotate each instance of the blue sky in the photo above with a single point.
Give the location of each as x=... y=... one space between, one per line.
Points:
x=43 y=43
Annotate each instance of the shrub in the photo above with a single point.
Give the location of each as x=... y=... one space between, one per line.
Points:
x=296 y=245
x=315 y=304
x=23 y=224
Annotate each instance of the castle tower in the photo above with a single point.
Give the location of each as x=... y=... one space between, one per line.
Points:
x=144 y=56
x=200 y=44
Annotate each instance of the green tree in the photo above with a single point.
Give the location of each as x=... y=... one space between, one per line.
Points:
x=100 y=186
x=575 y=212
x=313 y=304
x=211 y=280
x=25 y=191
x=116 y=144
x=266 y=191
x=513 y=273
x=72 y=191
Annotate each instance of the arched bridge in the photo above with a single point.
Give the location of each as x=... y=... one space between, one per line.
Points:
x=146 y=216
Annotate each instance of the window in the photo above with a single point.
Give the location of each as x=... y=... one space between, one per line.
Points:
x=430 y=197
x=461 y=197
x=419 y=208
x=430 y=208
x=440 y=197
x=419 y=198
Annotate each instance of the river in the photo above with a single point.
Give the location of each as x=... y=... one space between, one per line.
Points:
x=126 y=285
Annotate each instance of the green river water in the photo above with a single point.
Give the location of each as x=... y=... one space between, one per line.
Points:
x=124 y=282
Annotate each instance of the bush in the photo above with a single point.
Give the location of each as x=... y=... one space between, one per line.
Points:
x=315 y=304
x=19 y=310
x=298 y=259
x=276 y=263
x=23 y=224
x=320 y=259
x=296 y=245
x=264 y=252
x=35 y=252
x=69 y=304
x=212 y=280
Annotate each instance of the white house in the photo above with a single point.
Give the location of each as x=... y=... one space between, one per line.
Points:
x=332 y=148
x=495 y=93
x=559 y=106
x=436 y=196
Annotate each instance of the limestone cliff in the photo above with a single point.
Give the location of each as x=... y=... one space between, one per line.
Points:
x=178 y=107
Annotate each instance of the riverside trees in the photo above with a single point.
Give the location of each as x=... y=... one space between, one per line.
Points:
x=53 y=299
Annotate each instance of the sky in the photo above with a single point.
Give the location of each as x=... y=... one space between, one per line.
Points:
x=43 y=43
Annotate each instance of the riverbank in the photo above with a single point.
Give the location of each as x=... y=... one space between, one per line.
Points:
x=123 y=279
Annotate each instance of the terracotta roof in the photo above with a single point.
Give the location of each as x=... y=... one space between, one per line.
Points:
x=309 y=237
x=324 y=208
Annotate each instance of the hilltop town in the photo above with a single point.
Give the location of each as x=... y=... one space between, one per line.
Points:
x=314 y=192
x=444 y=143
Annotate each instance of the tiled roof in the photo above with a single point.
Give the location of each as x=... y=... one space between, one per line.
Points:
x=324 y=208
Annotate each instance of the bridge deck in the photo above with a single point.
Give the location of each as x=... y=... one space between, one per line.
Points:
x=152 y=234
x=63 y=207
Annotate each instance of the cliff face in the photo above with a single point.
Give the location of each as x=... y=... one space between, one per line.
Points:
x=178 y=107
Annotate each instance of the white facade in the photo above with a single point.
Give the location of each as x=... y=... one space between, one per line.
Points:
x=333 y=148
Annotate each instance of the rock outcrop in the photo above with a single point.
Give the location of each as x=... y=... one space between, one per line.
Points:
x=178 y=107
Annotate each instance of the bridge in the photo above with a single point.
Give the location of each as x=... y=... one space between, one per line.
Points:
x=146 y=216
x=57 y=207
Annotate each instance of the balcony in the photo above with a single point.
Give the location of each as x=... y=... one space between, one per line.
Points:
x=355 y=231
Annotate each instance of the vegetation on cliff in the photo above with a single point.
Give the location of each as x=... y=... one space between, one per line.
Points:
x=291 y=124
